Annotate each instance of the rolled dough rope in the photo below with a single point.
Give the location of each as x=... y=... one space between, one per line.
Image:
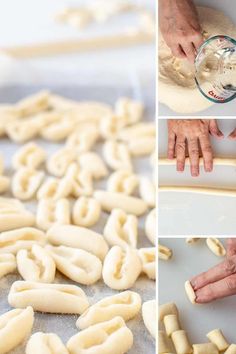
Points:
x=223 y=192
x=218 y=161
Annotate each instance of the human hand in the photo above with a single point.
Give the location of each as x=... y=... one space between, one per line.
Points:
x=219 y=281
x=232 y=135
x=180 y=28
x=185 y=136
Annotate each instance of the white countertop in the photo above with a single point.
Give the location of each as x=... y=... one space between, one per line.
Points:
x=197 y=214
x=197 y=320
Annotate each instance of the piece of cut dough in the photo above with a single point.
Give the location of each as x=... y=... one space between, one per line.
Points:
x=190 y=292
x=149 y=316
x=7 y=264
x=45 y=343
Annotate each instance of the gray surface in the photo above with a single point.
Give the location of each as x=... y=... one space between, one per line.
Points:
x=195 y=214
x=64 y=325
x=227 y=109
x=198 y=320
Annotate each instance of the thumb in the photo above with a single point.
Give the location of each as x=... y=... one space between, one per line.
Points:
x=214 y=129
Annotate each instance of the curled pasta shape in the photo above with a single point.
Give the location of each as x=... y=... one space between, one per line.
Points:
x=7 y=264
x=111 y=337
x=164 y=252
x=8 y=114
x=80 y=180
x=149 y=316
x=13 y=215
x=45 y=343
x=15 y=327
x=59 y=130
x=83 y=141
x=117 y=155
x=147 y=191
x=21 y=131
x=216 y=246
x=150 y=226
x=61 y=298
x=33 y=104
x=121 y=268
x=191 y=240
x=26 y=182
x=126 y=304
x=59 y=162
x=51 y=211
x=78 y=237
x=4 y=184
x=30 y=155
x=86 y=212
x=23 y=238
x=111 y=125
x=111 y=200
x=148 y=258
x=77 y=264
x=36 y=265
x=93 y=163
x=54 y=188
x=122 y=181
x=130 y=109
x=121 y=229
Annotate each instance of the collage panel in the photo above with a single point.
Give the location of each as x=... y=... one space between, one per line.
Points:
x=197 y=287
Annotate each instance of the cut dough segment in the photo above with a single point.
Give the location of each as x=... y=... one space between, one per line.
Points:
x=131 y=110
x=163 y=344
x=190 y=292
x=181 y=342
x=205 y=348
x=149 y=316
x=33 y=104
x=216 y=337
x=86 y=212
x=130 y=205
x=148 y=258
x=164 y=252
x=231 y=349
x=216 y=246
x=78 y=237
x=7 y=264
x=4 y=184
x=36 y=265
x=142 y=146
x=121 y=268
x=83 y=141
x=15 y=326
x=110 y=337
x=147 y=191
x=171 y=323
x=121 y=229
x=54 y=188
x=58 y=130
x=150 y=226
x=23 y=238
x=59 y=162
x=45 y=343
x=126 y=304
x=111 y=125
x=167 y=309
x=30 y=155
x=77 y=264
x=21 y=131
x=61 y=298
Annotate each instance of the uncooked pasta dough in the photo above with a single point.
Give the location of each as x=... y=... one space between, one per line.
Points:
x=177 y=87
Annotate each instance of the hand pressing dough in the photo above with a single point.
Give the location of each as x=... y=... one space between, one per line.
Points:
x=77 y=264
x=60 y=298
x=24 y=238
x=7 y=264
x=121 y=268
x=36 y=265
x=177 y=87
x=150 y=316
x=15 y=326
x=121 y=229
x=110 y=337
x=45 y=343
x=78 y=237
x=126 y=304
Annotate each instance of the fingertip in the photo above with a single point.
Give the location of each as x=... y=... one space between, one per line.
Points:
x=194 y=172
x=180 y=166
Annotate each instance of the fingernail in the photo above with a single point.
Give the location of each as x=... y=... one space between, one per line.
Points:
x=209 y=168
x=180 y=166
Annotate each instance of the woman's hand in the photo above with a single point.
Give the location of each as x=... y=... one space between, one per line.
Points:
x=187 y=137
x=180 y=28
x=219 y=281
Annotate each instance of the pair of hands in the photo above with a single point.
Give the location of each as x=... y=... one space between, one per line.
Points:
x=192 y=137
x=180 y=27
x=219 y=281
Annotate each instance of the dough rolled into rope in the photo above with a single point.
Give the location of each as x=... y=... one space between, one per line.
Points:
x=217 y=161
x=223 y=192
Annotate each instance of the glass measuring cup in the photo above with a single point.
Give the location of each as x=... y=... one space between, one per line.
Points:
x=216 y=69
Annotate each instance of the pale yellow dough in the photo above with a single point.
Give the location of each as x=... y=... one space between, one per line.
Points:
x=177 y=88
